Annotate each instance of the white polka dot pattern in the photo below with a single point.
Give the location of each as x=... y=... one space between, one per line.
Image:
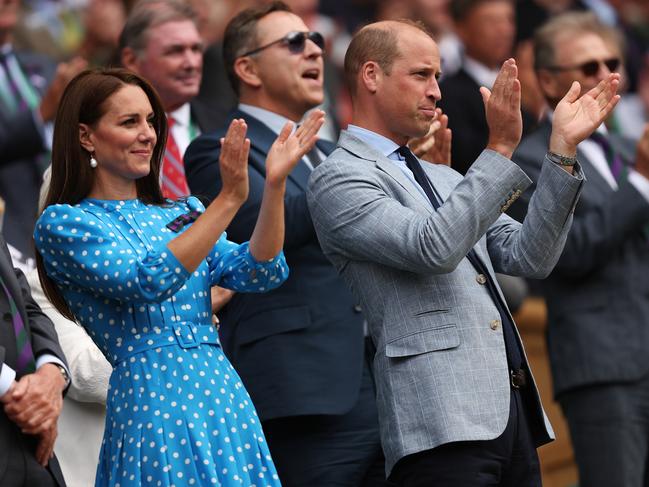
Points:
x=177 y=412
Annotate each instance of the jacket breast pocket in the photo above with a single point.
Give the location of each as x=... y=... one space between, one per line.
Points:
x=272 y=322
x=441 y=337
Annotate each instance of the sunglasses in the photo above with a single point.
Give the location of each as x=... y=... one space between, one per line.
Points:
x=590 y=68
x=295 y=41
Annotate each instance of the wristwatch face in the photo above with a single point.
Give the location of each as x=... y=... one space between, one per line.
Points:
x=64 y=373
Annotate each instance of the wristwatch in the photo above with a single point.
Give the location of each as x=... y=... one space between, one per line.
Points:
x=64 y=373
x=561 y=159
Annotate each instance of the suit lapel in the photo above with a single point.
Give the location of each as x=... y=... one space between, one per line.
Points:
x=361 y=150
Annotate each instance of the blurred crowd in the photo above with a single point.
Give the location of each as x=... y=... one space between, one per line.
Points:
x=46 y=43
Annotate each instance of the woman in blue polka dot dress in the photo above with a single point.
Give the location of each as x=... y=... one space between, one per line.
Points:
x=135 y=270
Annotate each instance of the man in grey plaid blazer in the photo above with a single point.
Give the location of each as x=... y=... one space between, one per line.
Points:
x=419 y=248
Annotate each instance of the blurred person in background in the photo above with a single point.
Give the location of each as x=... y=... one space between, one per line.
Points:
x=300 y=349
x=487 y=30
x=30 y=89
x=598 y=294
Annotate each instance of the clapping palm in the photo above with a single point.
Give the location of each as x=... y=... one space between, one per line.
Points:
x=290 y=146
x=576 y=117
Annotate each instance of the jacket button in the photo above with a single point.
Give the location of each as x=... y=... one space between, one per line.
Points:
x=481 y=279
x=494 y=325
x=7 y=317
x=358 y=308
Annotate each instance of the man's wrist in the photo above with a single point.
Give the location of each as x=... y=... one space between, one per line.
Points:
x=58 y=371
x=562 y=160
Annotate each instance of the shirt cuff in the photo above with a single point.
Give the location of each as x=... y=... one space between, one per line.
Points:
x=48 y=358
x=639 y=182
x=7 y=377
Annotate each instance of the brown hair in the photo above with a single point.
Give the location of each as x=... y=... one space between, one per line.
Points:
x=84 y=101
x=378 y=43
x=241 y=36
x=151 y=13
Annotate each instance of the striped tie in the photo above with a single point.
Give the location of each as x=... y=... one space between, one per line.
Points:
x=25 y=363
x=616 y=164
x=16 y=93
x=174 y=183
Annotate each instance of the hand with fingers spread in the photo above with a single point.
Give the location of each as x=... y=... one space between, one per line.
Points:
x=576 y=117
x=435 y=146
x=233 y=161
x=503 y=110
x=289 y=147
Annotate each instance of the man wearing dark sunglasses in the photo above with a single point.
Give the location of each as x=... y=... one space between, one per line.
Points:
x=598 y=294
x=300 y=348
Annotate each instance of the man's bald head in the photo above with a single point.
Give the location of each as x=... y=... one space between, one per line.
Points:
x=378 y=42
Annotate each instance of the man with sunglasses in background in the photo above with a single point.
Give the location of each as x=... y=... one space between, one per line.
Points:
x=598 y=294
x=300 y=349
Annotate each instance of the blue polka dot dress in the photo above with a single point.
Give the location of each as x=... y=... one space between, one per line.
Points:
x=177 y=412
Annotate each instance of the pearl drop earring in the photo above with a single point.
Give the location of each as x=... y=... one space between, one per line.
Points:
x=93 y=162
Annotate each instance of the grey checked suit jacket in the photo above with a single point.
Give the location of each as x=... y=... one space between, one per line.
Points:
x=440 y=367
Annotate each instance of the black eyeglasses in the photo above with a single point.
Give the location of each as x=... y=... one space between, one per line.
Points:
x=590 y=68
x=295 y=41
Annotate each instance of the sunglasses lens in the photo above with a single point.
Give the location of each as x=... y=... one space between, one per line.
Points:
x=612 y=64
x=317 y=39
x=590 y=68
x=295 y=42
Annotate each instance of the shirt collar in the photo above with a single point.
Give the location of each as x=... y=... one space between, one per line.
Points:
x=182 y=115
x=480 y=73
x=272 y=120
x=378 y=142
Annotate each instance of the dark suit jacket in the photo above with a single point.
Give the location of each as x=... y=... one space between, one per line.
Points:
x=20 y=170
x=598 y=294
x=43 y=339
x=299 y=348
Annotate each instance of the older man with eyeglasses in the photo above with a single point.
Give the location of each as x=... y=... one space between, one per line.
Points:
x=598 y=294
x=300 y=349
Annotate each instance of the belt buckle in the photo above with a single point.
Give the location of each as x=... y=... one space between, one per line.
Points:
x=517 y=378
x=185 y=336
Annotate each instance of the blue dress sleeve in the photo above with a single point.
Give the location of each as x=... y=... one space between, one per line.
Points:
x=81 y=251
x=232 y=266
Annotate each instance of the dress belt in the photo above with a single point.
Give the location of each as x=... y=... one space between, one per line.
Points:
x=186 y=335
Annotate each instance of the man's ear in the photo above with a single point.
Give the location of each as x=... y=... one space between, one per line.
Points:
x=85 y=138
x=371 y=76
x=129 y=59
x=246 y=70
